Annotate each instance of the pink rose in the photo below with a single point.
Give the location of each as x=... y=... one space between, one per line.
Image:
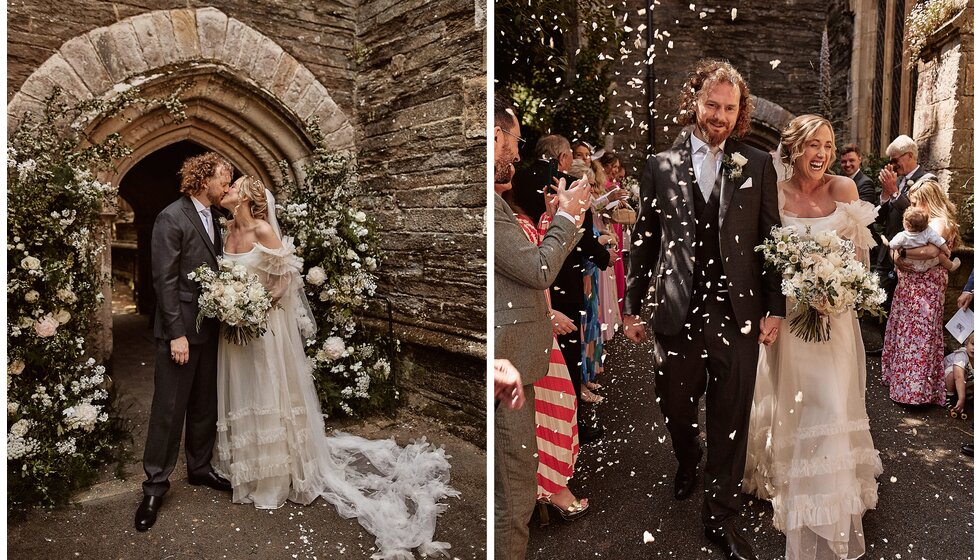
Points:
x=46 y=327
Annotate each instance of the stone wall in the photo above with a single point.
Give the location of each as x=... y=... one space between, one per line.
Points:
x=761 y=32
x=421 y=104
x=943 y=125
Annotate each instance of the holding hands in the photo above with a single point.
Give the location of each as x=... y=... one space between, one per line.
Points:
x=769 y=330
x=634 y=328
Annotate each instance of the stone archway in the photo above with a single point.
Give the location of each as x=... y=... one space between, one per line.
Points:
x=768 y=121
x=245 y=97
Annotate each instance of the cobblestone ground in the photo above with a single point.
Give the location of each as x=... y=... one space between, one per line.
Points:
x=925 y=505
x=200 y=523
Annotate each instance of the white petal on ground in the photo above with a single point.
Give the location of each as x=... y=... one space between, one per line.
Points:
x=647 y=537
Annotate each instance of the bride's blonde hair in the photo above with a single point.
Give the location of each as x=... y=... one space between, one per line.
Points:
x=796 y=134
x=253 y=191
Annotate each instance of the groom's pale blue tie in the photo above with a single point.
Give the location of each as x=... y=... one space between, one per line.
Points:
x=206 y=216
x=709 y=170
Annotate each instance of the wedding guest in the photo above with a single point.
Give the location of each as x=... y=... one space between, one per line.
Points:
x=850 y=165
x=614 y=174
x=912 y=358
x=583 y=151
x=555 y=403
x=958 y=367
x=554 y=159
x=507 y=386
x=522 y=271
x=597 y=298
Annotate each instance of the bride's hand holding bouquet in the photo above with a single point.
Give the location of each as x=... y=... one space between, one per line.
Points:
x=821 y=277
x=235 y=298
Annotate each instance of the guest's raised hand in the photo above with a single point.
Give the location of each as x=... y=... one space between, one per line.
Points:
x=574 y=199
x=889 y=182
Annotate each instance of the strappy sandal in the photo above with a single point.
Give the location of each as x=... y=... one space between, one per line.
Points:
x=575 y=510
x=590 y=397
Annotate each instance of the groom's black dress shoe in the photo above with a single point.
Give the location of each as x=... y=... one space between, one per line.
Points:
x=211 y=480
x=731 y=542
x=146 y=514
x=685 y=479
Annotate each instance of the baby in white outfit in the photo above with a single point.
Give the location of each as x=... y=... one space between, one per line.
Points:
x=918 y=234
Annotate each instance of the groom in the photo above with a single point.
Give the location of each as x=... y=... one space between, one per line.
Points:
x=185 y=236
x=704 y=205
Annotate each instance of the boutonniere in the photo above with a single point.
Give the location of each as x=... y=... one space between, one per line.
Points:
x=223 y=224
x=732 y=164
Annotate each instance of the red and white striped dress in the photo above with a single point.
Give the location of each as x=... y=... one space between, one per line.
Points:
x=555 y=413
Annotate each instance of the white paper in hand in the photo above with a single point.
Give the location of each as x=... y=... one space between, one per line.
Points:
x=961 y=325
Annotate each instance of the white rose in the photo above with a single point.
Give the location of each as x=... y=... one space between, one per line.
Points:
x=738 y=159
x=31 y=296
x=334 y=347
x=255 y=293
x=82 y=416
x=62 y=316
x=238 y=287
x=46 y=327
x=30 y=263
x=316 y=276
x=370 y=263
x=15 y=368
x=360 y=216
x=12 y=408
x=67 y=296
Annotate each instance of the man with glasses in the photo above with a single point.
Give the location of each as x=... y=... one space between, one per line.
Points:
x=522 y=330
x=896 y=178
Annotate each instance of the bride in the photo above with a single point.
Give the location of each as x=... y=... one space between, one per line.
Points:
x=271 y=443
x=810 y=450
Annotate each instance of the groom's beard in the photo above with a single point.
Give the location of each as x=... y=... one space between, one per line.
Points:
x=715 y=138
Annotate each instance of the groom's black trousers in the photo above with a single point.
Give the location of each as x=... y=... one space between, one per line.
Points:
x=710 y=356
x=189 y=390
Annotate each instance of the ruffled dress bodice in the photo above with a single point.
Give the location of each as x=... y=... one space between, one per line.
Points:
x=810 y=449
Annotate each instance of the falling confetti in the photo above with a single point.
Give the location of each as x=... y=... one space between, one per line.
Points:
x=734 y=13
x=647 y=537
x=774 y=63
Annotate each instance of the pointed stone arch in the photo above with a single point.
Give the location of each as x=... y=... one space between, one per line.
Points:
x=245 y=98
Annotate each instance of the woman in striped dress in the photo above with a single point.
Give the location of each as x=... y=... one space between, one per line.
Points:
x=555 y=414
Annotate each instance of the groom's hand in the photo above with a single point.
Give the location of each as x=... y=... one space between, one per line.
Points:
x=634 y=328
x=769 y=330
x=179 y=350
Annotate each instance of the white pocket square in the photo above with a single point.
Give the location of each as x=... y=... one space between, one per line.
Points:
x=746 y=184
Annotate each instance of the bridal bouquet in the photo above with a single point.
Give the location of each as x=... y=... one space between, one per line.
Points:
x=821 y=275
x=235 y=298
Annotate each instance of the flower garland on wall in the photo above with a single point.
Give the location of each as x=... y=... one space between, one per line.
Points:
x=340 y=248
x=61 y=421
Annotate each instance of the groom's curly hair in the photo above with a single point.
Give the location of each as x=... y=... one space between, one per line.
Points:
x=198 y=169
x=707 y=74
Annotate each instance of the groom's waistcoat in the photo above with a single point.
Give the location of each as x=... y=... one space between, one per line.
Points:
x=709 y=273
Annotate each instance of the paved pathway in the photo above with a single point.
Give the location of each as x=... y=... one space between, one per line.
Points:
x=198 y=522
x=925 y=507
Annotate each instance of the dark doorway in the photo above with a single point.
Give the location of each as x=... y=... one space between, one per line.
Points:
x=147 y=188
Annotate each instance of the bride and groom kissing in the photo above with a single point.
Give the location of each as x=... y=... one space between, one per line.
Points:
x=253 y=421
x=786 y=418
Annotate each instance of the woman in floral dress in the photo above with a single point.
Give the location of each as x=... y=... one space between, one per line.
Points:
x=912 y=358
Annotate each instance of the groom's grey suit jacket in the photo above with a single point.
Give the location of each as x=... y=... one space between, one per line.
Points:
x=180 y=245
x=522 y=273
x=662 y=266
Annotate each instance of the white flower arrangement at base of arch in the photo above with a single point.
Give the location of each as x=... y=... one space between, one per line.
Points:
x=339 y=245
x=61 y=418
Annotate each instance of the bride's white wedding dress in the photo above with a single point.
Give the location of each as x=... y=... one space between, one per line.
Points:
x=271 y=443
x=810 y=450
